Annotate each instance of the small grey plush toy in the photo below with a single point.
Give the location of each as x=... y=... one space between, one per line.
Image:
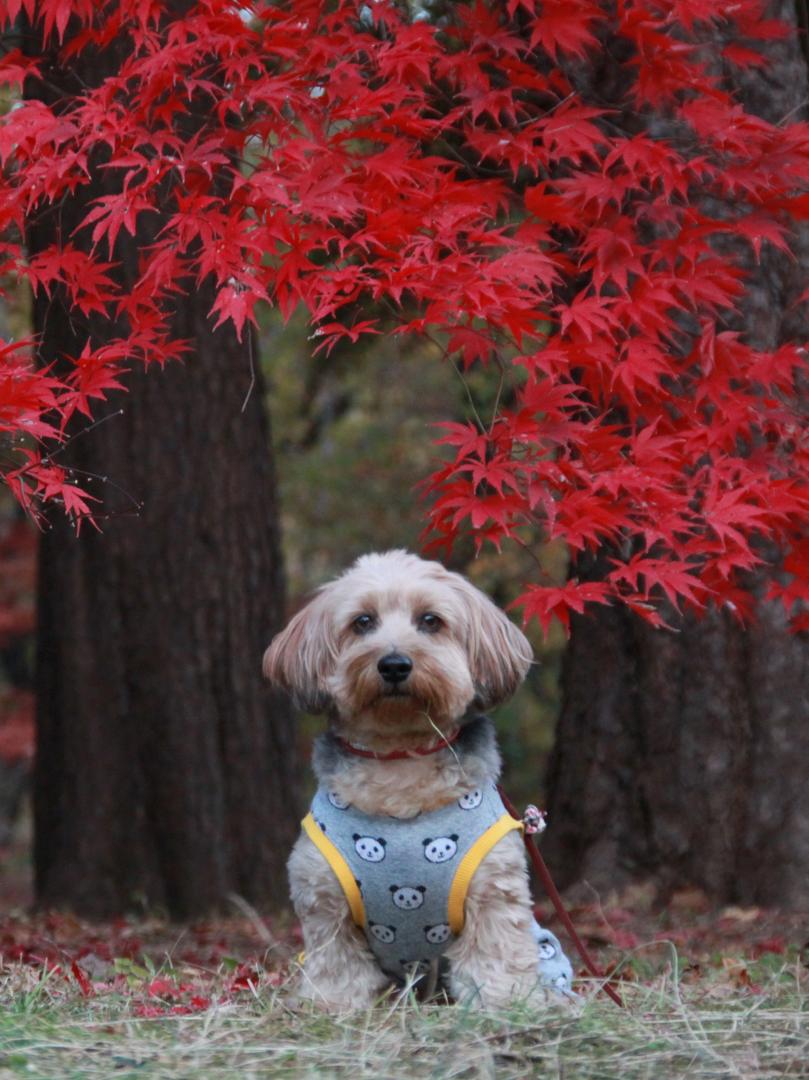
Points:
x=555 y=970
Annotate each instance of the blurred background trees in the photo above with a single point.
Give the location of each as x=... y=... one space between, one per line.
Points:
x=165 y=775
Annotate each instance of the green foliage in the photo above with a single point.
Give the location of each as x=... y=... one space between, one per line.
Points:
x=353 y=436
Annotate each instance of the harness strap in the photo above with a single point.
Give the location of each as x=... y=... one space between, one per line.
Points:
x=547 y=883
x=469 y=864
x=341 y=869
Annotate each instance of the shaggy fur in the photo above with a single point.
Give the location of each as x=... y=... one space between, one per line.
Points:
x=466 y=656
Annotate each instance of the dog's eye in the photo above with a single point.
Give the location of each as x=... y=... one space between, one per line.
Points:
x=363 y=623
x=429 y=622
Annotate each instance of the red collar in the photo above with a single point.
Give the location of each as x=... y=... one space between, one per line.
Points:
x=397 y=755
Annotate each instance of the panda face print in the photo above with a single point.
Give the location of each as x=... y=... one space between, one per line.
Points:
x=407 y=897
x=385 y=934
x=547 y=950
x=370 y=848
x=437 y=934
x=440 y=849
x=337 y=801
x=471 y=800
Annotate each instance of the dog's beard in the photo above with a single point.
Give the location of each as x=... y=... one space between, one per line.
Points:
x=388 y=710
x=431 y=700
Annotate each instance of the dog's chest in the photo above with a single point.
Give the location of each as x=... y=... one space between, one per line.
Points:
x=406 y=879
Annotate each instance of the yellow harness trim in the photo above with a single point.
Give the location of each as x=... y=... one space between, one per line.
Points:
x=469 y=864
x=341 y=869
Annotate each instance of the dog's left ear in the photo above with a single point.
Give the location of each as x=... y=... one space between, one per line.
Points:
x=302 y=656
x=499 y=653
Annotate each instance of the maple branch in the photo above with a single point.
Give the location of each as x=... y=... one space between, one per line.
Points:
x=469 y=397
x=500 y=385
x=70 y=439
x=544 y=575
x=136 y=504
x=249 y=393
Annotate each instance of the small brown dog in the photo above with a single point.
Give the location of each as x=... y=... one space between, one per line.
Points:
x=404 y=656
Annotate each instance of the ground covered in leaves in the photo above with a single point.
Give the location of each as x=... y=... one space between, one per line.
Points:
x=708 y=994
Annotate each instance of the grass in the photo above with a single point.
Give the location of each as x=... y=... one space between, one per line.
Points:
x=745 y=1021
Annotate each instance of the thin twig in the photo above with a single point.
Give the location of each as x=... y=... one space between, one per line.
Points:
x=250 y=388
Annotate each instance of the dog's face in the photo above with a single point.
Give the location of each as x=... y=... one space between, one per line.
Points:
x=397 y=645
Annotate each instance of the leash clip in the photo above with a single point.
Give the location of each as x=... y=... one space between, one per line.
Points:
x=534 y=820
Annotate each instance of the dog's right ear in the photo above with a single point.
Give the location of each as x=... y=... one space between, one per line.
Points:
x=301 y=657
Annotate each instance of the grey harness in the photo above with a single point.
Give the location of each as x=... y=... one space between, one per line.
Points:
x=407 y=870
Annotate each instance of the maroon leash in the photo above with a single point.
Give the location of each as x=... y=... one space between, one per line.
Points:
x=547 y=883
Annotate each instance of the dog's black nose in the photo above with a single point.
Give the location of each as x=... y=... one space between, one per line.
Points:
x=394 y=668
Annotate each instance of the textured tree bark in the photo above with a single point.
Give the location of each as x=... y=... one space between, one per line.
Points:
x=164 y=771
x=681 y=757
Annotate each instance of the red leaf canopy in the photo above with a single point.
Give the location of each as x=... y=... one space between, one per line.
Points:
x=394 y=174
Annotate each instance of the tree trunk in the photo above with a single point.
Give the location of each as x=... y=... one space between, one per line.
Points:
x=164 y=770
x=681 y=757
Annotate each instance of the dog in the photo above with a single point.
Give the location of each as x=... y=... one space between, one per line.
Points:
x=408 y=854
